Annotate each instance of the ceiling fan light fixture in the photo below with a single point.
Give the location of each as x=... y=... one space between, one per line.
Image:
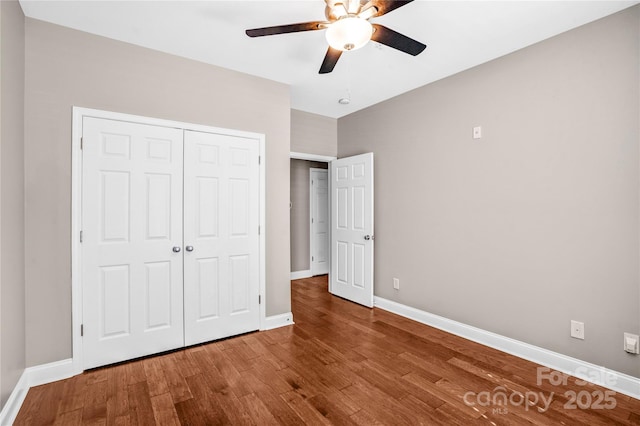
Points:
x=349 y=33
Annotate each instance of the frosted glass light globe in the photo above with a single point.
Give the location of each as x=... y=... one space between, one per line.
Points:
x=349 y=33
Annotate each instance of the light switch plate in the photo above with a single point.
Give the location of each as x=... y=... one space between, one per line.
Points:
x=631 y=343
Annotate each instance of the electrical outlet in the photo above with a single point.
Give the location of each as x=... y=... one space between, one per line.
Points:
x=477 y=132
x=577 y=329
x=396 y=284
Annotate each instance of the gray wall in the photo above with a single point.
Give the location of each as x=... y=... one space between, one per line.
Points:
x=535 y=224
x=313 y=134
x=12 y=306
x=300 y=211
x=65 y=67
x=310 y=134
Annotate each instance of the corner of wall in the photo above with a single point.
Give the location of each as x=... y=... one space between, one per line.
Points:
x=12 y=284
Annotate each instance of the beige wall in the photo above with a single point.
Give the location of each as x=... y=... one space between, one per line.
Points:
x=12 y=293
x=535 y=224
x=300 y=213
x=313 y=134
x=66 y=67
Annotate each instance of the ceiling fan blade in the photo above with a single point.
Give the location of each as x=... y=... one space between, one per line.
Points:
x=284 y=29
x=386 y=6
x=330 y=60
x=396 y=40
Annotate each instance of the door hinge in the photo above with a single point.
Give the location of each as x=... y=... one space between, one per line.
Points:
x=81 y=330
x=81 y=142
x=311 y=220
x=259 y=299
x=259 y=159
x=80 y=236
x=312 y=259
x=259 y=229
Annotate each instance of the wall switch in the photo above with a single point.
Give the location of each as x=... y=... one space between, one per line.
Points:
x=631 y=343
x=577 y=329
x=396 y=284
x=477 y=132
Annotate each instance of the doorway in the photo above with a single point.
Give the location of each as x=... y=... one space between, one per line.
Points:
x=350 y=223
x=301 y=209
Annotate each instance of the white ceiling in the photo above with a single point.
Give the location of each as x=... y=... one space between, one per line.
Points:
x=458 y=35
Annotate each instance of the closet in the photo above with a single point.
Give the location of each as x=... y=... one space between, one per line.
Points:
x=170 y=251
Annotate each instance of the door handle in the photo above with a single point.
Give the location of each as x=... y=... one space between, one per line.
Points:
x=368 y=237
x=176 y=249
x=189 y=248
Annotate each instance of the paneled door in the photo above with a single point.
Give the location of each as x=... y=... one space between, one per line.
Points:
x=170 y=238
x=352 y=228
x=131 y=240
x=319 y=222
x=221 y=204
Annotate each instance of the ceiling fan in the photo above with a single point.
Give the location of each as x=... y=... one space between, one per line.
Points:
x=348 y=28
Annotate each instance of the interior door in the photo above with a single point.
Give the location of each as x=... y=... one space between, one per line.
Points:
x=319 y=222
x=221 y=208
x=131 y=240
x=352 y=228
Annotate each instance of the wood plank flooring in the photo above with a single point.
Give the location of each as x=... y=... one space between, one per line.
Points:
x=339 y=364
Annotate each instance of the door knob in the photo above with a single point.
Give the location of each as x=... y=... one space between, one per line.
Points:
x=189 y=248
x=367 y=237
x=176 y=249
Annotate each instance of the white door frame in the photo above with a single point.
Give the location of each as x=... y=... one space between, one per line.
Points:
x=76 y=209
x=311 y=210
x=311 y=157
x=325 y=159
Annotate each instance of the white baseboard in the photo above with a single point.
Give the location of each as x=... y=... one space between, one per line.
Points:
x=54 y=371
x=276 y=321
x=34 y=376
x=616 y=381
x=298 y=275
x=13 y=404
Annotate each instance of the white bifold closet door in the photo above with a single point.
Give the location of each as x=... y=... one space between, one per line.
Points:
x=131 y=220
x=221 y=262
x=170 y=245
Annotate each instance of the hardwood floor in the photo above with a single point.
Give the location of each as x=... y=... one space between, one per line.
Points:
x=339 y=364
